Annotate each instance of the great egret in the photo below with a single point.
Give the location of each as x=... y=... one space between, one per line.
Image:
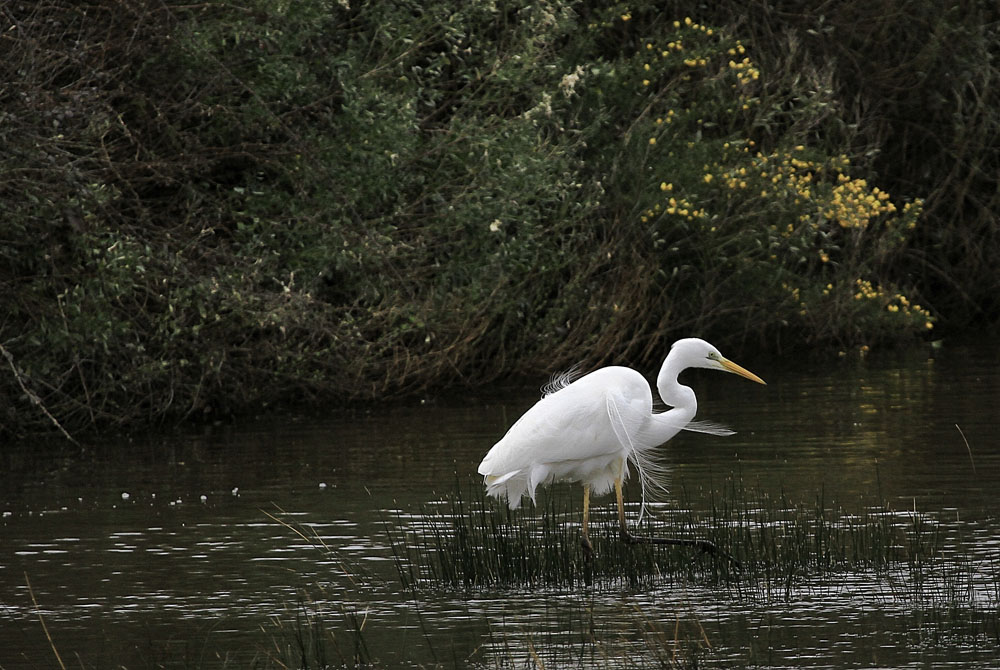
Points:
x=587 y=430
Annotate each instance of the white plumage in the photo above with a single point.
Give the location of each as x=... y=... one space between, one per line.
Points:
x=588 y=429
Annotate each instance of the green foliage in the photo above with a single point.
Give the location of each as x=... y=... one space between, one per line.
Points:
x=212 y=209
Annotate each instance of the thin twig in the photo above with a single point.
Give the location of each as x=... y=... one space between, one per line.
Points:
x=41 y=620
x=18 y=375
x=534 y=656
x=969 y=448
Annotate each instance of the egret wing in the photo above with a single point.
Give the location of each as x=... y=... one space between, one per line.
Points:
x=572 y=424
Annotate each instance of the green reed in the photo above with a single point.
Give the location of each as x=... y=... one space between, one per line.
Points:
x=468 y=540
x=305 y=637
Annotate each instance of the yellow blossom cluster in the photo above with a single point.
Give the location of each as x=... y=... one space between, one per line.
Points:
x=694 y=46
x=897 y=303
x=792 y=290
x=911 y=211
x=669 y=118
x=673 y=206
x=853 y=204
x=835 y=196
x=778 y=172
x=691 y=24
x=745 y=70
x=796 y=295
x=866 y=291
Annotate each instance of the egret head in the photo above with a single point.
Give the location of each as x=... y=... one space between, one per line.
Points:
x=693 y=352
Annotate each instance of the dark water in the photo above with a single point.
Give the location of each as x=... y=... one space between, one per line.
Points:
x=219 y=549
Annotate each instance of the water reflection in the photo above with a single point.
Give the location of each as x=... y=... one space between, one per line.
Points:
x=232 y=529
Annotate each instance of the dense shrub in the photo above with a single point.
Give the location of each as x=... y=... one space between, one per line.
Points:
x=217 y=208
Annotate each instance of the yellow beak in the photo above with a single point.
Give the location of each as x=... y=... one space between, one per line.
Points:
x=742 y=372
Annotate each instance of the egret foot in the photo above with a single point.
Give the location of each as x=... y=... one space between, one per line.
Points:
x=705 y=546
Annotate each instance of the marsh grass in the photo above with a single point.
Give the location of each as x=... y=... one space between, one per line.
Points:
x=471 y=542
x=304 y=638
x=938 y=587
x=307 y=636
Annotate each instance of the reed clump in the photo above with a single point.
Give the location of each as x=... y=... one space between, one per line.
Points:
x=305 y=638
x=469 y=541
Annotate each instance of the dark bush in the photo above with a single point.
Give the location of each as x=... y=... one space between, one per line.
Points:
x=215 y=209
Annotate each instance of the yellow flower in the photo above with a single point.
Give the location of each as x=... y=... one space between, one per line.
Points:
x=652 y=140
x=626 y=16
x=708 y=178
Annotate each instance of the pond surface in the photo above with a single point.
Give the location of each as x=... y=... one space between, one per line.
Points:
x=230 y=546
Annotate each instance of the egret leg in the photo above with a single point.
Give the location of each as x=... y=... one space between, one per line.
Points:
x=588 y=549
x=706 y=546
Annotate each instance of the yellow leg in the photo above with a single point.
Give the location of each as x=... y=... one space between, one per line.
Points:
x=588 y=549
x=621 y=505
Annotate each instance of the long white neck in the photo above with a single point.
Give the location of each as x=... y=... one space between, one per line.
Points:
x=672 y=392
x=663 y=426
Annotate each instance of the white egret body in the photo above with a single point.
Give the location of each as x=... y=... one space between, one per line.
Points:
x=587 y=430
